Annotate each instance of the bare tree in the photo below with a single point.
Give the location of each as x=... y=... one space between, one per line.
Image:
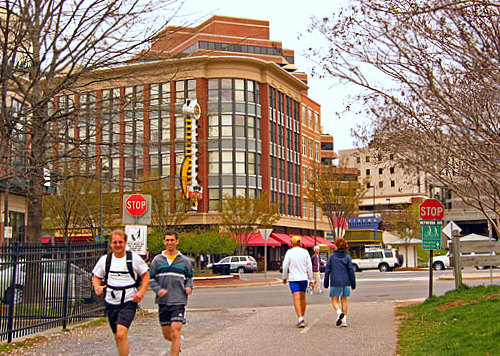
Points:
x=430 y=78
x=79 y=206
x=337 y=192
x=48 y=48
x=242 y=215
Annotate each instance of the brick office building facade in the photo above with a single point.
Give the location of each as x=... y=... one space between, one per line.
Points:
x=258 y=130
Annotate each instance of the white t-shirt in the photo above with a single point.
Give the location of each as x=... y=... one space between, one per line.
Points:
x=119 y=276
x=297 y=265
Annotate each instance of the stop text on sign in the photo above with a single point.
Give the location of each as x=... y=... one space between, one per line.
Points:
x=136 y=205
x=432 y=209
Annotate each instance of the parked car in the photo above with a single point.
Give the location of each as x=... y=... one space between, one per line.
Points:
x=54 y=273
x=239 y=264
x=377 y=258
x=443 y=262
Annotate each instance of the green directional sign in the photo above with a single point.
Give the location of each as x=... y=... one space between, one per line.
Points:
x=431 y=237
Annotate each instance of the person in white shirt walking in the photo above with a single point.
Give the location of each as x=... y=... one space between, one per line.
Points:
x=297 y=270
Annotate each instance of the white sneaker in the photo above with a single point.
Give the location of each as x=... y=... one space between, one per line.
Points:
x=344 y=321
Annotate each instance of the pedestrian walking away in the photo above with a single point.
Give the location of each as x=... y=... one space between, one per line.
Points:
x=316 y=263
x=297 y=270
x=172 y=282
x=339 y=275
x=122 y=277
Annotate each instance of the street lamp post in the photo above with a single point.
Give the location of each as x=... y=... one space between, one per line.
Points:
x=375 y=227
x=100 y=202
x=314 y=214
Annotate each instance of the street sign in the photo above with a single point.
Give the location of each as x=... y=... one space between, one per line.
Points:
x=431 y=237
x=136 y=209
x=137 y=238
x=431 y=209
x=136 y=205
x=432 y=222
x=265 y=233
x=7 y=232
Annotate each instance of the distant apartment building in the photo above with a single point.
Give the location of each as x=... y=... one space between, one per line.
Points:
x=387 y=184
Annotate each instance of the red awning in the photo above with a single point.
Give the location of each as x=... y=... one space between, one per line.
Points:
x=307 y=241
x=283 y=238
x=256 y=239
x=323 y=241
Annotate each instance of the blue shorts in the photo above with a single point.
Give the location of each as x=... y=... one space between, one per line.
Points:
x=298 y=286
x=343 y=291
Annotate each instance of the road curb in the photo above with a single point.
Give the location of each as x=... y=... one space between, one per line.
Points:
x=448 y=277
x=242 y=285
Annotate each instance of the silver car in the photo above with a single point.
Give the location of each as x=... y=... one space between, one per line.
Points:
x=54 y=273
x=238 y=264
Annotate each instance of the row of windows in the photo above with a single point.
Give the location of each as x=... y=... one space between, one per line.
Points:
x=381 y=184
x=233 y=89
x=379 y=158
x=228 y=47
x=380 y=171
x=310 y=118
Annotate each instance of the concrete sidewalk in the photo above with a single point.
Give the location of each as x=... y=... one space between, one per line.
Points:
x=371 y=331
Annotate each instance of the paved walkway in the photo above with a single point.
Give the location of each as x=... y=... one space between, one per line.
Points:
x=260 y=331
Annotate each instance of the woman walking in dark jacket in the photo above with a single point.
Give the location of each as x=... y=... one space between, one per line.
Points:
x=340 y=276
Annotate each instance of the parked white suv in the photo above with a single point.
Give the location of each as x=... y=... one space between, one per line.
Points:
x=377 y=258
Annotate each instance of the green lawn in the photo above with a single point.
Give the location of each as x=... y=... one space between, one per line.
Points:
x=462 y=322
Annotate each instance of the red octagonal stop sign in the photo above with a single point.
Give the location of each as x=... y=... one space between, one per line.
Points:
x=136 y=205
x=431 y=209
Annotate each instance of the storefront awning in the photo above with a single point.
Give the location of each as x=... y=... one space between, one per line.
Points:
x=322 y=241
x=282 y=238
x=256 y=239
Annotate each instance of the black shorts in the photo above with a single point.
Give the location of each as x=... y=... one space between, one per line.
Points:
x=171 y=313
x=120 y=314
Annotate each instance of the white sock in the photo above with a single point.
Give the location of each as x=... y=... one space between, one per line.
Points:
x=339 y=311
x=301 y=319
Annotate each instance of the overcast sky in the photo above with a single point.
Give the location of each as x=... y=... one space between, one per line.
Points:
x=287 y=19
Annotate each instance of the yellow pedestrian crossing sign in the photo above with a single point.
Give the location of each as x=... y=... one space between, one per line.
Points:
x=431 y=237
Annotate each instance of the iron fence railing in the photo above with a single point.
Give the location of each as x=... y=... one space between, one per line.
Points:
x=45 y=286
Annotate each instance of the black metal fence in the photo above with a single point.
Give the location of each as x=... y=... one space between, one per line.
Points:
x=44 y=286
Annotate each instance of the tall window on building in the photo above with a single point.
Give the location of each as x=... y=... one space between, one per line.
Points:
x=159 y=118
x=233 y=134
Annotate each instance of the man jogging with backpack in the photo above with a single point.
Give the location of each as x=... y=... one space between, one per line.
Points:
x=123 y=276
x=172 y=282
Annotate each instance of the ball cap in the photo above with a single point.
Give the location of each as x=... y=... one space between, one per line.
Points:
x=296 y=240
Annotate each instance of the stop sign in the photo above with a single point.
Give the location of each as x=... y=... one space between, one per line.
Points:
x=431 y=209
x=136 y=205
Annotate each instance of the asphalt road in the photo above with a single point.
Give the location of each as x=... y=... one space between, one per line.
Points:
x=372 y=286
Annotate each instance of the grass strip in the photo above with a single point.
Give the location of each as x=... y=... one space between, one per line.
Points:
x=461 y=322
